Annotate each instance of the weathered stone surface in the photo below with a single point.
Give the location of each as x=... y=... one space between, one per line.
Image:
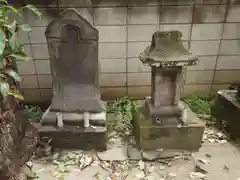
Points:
x=76 y=119
x=151 y=136
x=134 y=153
x=73 y=49
x=227 y=112
x=167 y=50
x=166 y=85
x=71 y=137
x=163 y=122
x=72 y=43
x=165 y=114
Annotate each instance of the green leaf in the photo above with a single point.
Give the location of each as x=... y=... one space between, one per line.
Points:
x=13 y=74
x=2 y=41
x=5 y=1
x=20 y=57
x=12 y=41
x=11 y=8
x=4 y=88
x=25 y=27
x=34 y=10
x=16 y=94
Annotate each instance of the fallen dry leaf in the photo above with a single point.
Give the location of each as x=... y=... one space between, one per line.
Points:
x=30 y=174
x=56 y=156
x=55 y=162
x=199 y=169
x=172 y=175
x=203 y=161
x=162 y=167
x=208 y=155
x=29 y=164
x=141 y=165
x=195 y=175
x=226 y=168
x=85 y=161
x=211 y=140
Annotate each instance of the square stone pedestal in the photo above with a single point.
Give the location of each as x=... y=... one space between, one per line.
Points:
x=73 y=134
x=227 y=112
x=150 y=136
x=74 y=137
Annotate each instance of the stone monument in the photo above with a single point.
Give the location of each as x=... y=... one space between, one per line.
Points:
x=164 y=121
x=76 y=116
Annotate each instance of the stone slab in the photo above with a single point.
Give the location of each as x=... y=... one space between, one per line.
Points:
x=75 y=119
x=116 y=153
x=221 y=155
x=73 y=137
x=73 y=49
x=227 y=112
x=151 y=155
x=149 y=136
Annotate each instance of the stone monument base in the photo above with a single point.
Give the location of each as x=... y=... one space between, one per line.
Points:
x=227 y=112
x=150 y=136
x=72 y=134
x=74 y=137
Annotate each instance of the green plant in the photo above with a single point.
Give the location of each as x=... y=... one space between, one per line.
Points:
x=17 y=137
x=201 y=105
x=11 y=49
x=33 y=112
x=121 y=111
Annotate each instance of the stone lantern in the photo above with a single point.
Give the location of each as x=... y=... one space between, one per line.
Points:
x=164 y=121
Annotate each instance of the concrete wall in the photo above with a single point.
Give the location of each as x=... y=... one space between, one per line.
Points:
x=211 y=29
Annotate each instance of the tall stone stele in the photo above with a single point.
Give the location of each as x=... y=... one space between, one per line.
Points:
x=164 y=121
x=76 y=117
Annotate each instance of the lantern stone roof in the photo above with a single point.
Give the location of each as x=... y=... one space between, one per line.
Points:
x=166 y=49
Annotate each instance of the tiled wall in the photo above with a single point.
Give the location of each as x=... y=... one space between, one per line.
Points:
x=211 y=29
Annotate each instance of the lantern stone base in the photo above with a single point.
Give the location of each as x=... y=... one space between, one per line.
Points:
x=150 y=136
x=74 y=137
x=227 y=112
